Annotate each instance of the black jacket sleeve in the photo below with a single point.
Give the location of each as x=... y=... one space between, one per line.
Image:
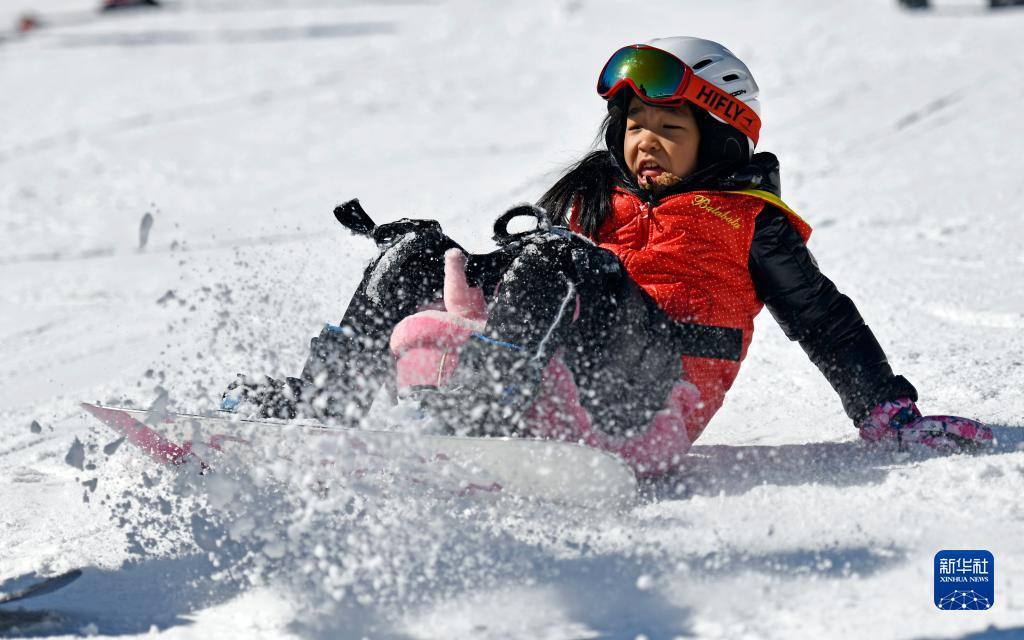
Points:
x=828 y=326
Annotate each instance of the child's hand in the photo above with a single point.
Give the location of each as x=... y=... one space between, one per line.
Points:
x=901 y=422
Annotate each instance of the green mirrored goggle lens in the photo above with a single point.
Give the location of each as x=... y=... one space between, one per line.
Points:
x=655 y=73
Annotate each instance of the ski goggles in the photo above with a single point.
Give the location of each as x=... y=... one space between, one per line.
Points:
x=659 y=78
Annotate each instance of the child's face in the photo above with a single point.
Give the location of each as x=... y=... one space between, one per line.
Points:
x=660 y=144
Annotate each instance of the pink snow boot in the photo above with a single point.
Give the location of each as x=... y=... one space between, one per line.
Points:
x=900 y=421
x=426 y=343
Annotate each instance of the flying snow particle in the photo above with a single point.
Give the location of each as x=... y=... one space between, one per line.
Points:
x=76 y=455
x=157 y=411
x=112 y=447
x=144 y=226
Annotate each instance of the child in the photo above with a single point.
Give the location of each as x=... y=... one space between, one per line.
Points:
x=625 y=329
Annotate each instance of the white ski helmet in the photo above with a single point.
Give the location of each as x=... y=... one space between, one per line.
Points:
x=716 y=64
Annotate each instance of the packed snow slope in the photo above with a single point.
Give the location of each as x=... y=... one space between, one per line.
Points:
x=237 y=126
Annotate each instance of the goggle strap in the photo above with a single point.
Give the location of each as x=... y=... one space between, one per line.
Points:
x=696 y=90
x=729 y=108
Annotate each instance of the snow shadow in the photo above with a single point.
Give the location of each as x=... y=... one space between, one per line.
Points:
x=158 y=592
x=230 y=36
x=992 y=633
x=595 y=596
x=826 y=563
x=608 y=595
x=1008 y=438
x=18 y=622
x=614 y=596
x=618 y=599
x=733 y=470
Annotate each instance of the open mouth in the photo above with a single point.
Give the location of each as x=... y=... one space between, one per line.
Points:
x=651 y=175
x=649 y=170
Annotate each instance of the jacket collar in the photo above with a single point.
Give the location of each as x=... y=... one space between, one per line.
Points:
x=761 y=173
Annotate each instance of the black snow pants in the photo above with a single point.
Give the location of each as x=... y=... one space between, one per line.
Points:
x=549 y=292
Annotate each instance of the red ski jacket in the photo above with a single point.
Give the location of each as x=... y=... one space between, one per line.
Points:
x=690 y=252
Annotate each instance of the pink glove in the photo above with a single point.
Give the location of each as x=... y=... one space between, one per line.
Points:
x=426 y=343
x=900 y=420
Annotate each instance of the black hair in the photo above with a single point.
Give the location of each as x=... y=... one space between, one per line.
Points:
x=588 y=183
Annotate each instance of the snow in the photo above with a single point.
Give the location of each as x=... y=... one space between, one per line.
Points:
x=237 y=126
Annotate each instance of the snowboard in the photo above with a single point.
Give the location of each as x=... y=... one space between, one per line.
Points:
x=553 y=471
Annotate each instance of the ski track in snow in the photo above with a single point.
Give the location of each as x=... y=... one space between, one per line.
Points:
x=236 y=126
